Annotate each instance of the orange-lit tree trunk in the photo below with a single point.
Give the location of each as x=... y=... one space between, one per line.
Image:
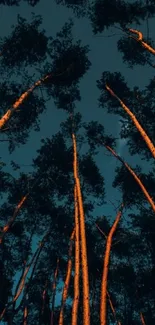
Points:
x=86 y=306
x=67 y=280
x=5 y=118
x=77 y=263
x=103 y=303
x=12 y=219
x=113 y=309
x=27 y=285
x=25 y=311
x=10 y=222
x=147 y=195
x=135 y=121
x=109 y=298
x=54 y=292
x=139 y=39
x=21 y=283
x=100 y=230
x=142 y=319
x=35 y=257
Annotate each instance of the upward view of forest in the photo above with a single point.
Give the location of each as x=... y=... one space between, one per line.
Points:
x=64 y=259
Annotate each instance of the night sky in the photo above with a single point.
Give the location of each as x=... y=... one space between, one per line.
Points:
x=104 y=56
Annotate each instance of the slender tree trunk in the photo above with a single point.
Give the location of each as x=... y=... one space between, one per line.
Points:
x=67 y=280
x=139 y=39
x=10 y=222
x=5 y=118
x=144 y=135
x=21 y=282
x=32 y=273
x=103 y=303
x=147 y=195
x=12 y=219
x=77 y=263
x=142 y=319
x=54 y=292
x=113 y=309
x=86 y=307
x=25 y=312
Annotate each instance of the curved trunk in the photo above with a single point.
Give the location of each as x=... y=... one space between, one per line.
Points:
x=144 y=135
x=103 y=304
x=86 y=307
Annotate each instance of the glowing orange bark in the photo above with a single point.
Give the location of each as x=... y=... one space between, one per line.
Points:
x=28 y=268
x=103 y=303
x=142 y=319
x=10 y=222
x=22 y=282
x=25 y=312
x=86 y=307
x=140 y=40
x=77 y=263
x=67 y=280
x=113 y=309
x=135 y=121
x=25 y=315
x=5 y=118
x=147 y=195
x=18 y=207
x=41 y=244
x=101 y=231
